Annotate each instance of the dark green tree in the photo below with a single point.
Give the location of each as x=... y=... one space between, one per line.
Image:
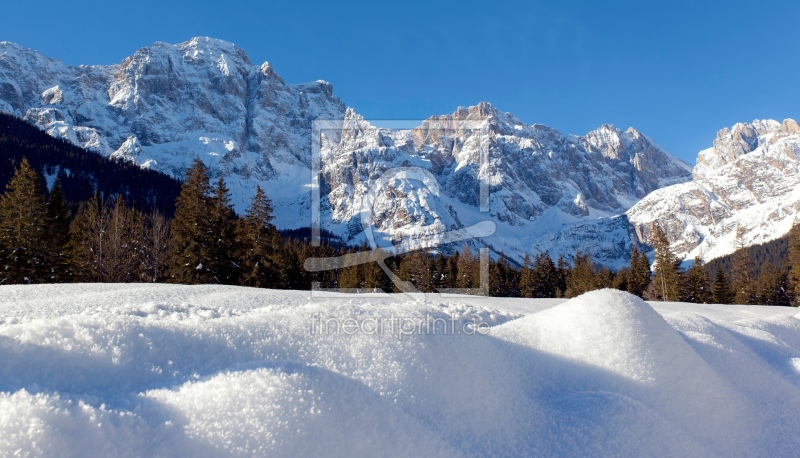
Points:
x=23 y=218
x=667 y=273
x=58 y=218
x=695 y=284
x=742 y=279
x=191 y=232
x=88 y=241
x=582 y=277
x=794 y=264
x=722 y=292
x=259 y=245
x=639 y=273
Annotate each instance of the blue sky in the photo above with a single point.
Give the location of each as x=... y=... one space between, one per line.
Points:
x=677 y=71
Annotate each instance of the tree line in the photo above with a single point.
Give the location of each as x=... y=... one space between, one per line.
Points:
x=105 y=239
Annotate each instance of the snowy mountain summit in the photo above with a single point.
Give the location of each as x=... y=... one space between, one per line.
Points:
x=748 y=179
x=543 y=190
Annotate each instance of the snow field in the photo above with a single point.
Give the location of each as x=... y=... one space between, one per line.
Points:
x=165 y=370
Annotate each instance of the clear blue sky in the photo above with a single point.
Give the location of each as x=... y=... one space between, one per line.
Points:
x=677 y=71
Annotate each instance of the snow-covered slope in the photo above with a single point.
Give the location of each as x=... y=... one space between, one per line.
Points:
x=537 y=179
x=166 y=370
x=167 y=104
x=749 y=179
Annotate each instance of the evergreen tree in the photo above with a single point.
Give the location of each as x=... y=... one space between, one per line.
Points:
x=581 y=278
x=190 y=231
x=622 y=279
x=88 y=245
x=722 y=292
x=415 y=267
x=58 y=218
x=546 y=277
x=259 y=245
x=468 y=269
x=562 y=271
x=742 y=281
x=23 y=216
x=695 y=285
x=771 y=286
x=639 y=272
x=503 y=278
x=794 y=263
x=666 y=275
x=222 y=248
x=527 y=283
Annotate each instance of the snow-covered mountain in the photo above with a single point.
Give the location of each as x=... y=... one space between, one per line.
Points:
x=537 y=179
x=166 y=104
x=749 y=179
x=548 y=191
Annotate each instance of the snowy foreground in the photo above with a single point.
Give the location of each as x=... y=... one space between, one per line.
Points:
x=160 y=370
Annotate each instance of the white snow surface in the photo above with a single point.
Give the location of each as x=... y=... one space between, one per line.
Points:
x=165 y=370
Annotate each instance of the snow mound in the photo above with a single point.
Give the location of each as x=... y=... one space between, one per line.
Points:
x=166 y=370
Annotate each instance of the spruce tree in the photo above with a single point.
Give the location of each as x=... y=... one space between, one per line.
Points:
x=23 y=217
x=190 y=231
x=259 y=245
x=771 y=286
x=222 y=251
x=88 y=244
x=545 y=276
x=58 y=217
x=639 y=272
x=695 y=285
x=666 y=275
x=794 y=263
x=742 y=281
x=468 y=269
x=582 y=277
x=527 y=284
x=722 y=292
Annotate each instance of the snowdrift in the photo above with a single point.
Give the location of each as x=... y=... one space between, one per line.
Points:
x=161 y=370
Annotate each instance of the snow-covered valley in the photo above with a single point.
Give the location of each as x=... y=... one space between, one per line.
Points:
x=166 y=370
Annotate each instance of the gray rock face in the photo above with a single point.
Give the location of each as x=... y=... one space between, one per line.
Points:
x=749 y=179
x=167 y=104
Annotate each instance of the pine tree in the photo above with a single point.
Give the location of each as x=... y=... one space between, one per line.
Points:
x=639 y=273
x=190 y=231
x=666 y=275
x=88 y=244
x=546 y=277
x=582 y=277
x=527 y=284
x=23 y=216
x=771 y=286
x=468 y=269
x=695 y=285
x=722 y=292
x=742 y=281
x=223 y=264
x=259 y=245
x=58 y=218
x=794 y=263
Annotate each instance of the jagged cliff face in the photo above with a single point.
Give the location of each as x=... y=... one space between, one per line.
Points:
x=538 y=179
x=166 y=104
x=750 y=178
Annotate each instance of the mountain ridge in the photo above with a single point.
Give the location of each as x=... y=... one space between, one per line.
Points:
x=166 y=104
